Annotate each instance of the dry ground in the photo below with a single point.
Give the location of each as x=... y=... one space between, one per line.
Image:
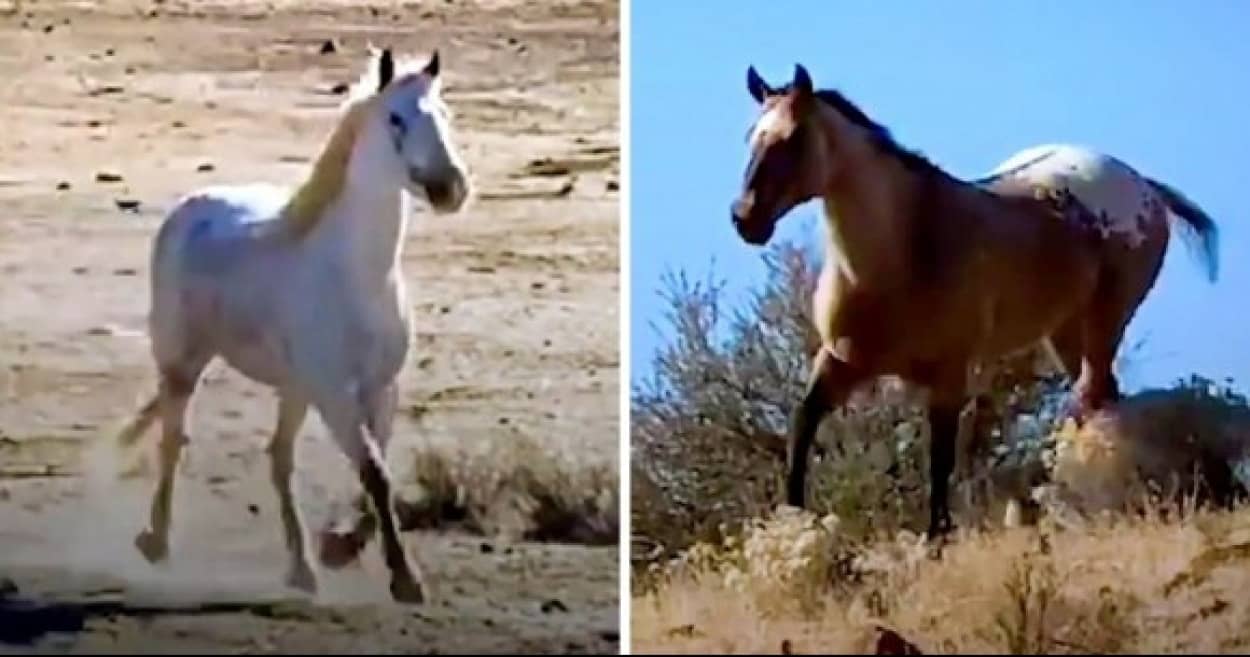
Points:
x=515 y=356
x=1139 y=587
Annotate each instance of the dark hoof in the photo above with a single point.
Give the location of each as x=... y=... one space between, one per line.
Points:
x=340 y=549
x=301 y=578
x=406 y=590
x=153 y=548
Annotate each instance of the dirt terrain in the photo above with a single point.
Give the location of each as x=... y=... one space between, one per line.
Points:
x=112 y=110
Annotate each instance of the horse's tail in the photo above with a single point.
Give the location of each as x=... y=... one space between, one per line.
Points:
x=139 y=424
x=1202 y=236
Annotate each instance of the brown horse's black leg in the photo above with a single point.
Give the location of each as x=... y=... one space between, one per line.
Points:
x=831 y=381
x=943 y=429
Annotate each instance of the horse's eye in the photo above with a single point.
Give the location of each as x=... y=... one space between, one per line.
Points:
x=397 y=122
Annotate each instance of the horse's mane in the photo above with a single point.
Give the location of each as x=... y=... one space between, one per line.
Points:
x=879 y=134
x=306 y=207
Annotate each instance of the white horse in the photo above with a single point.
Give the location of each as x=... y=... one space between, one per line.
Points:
x=303 y=292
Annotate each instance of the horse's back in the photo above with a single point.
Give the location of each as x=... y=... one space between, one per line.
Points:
x=213 y=248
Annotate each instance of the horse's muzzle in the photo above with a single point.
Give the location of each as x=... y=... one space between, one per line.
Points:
x=447 y=192
x=750 y=227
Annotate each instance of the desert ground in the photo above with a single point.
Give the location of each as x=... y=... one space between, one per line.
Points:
x=113 y=110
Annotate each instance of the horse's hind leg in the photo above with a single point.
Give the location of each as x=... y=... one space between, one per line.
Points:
x=176 y=387
x=830 y=383
x=291 y=413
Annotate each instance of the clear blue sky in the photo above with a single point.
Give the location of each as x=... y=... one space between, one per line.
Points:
x=1165 y=86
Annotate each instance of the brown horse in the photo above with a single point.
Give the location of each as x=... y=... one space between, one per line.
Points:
x=926 y=275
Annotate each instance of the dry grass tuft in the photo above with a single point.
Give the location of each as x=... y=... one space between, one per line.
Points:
x=516 y=491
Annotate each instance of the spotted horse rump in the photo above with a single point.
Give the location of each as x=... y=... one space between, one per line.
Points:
x=1121 y=202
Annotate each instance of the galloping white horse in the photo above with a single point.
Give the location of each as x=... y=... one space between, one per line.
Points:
x=303 y=292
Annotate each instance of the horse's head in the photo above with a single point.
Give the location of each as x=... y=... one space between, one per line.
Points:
x=787 y=164
x=410 y=112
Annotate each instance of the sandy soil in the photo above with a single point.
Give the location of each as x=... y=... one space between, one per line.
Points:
x=516 y=320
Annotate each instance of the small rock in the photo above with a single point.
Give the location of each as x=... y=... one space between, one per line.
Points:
x=109 y=52
x=613 y=186
x=253 y=509
x=106 y=90
x=62 y=186
x=486 y=548
x=47 y=29
x=80 y=270
x=503 y=420
x=7 y=587
x=547 y=342
x=178 y=124
x=205 y=167
x=537 y=285
x=125 y=271
x=108 y=177
x=127 y=205
x=890 y=643
x=565 y=189
x=328 y=47
x=553 y=605
x=339 y=89
x=99 y=330
x=611 y=636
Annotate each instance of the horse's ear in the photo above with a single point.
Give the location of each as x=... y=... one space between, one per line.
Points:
x=757 y=86
x=802 y=81
x=386 y=69
x=431 y=69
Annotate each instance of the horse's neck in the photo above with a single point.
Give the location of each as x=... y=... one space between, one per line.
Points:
x=365 y=228
x=866 y=211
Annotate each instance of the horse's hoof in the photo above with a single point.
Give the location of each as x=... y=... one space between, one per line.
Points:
x=338 y=550
x=406 y=590
x=301 y=578
x=152 y=547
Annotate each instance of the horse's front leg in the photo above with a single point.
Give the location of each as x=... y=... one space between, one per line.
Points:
x=943 y=432
x=830 y=383
x=348 y=417
x=343 y=546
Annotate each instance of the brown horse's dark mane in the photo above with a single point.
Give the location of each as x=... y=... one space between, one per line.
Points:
x=880 y=135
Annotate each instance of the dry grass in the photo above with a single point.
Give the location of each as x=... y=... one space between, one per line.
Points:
x=518 y=491
x=1142 y=585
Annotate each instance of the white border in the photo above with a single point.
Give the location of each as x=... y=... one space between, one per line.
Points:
x=623 y=117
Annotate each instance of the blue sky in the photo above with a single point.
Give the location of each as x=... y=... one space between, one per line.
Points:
x=1164 y=86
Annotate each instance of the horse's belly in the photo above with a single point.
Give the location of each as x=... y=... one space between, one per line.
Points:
x=256 y=360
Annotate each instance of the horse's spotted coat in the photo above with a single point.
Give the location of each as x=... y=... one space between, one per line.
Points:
x=1121 y=202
